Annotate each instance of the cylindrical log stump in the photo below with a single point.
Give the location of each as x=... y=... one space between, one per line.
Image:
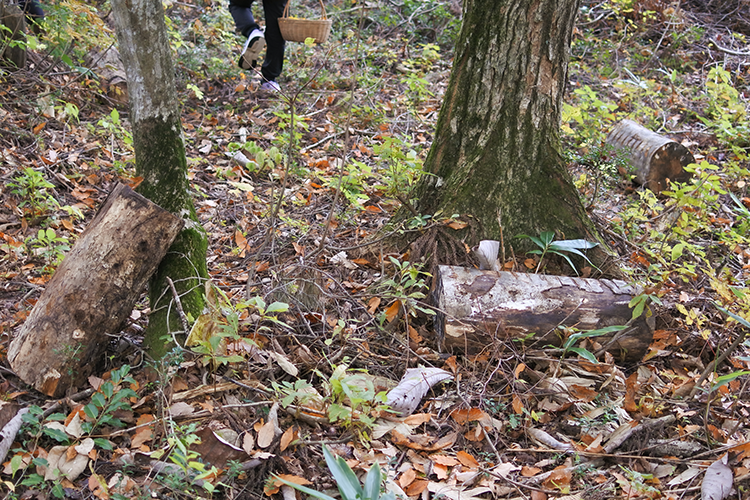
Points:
x=92 y=292
x=481 y=310
x=14 y=21
x=655 y=158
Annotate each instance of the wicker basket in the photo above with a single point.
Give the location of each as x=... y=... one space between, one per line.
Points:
x=298 y=30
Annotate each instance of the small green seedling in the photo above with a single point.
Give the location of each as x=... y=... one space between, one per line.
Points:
x=547 y=244
x=347 y=482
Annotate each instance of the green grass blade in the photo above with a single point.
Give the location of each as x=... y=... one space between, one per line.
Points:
x=346 y=480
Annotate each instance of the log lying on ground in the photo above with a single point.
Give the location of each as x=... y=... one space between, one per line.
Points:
x=655 y=158
x=92 y=292
x=482 y=310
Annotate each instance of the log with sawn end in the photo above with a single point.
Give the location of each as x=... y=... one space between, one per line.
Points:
x=483 y=310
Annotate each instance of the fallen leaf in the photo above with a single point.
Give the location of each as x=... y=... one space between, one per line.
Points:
x=373 y=304
x=273 y=484
x=266 y=435
x=58 y=464
x=467 y=460
x=180 y=409
x=248 y=442
x=517 y=404
x=718 y=481
x=392 y=311
x=417 y=487
x=286 y=438
x=413 y=386
x=407 y=478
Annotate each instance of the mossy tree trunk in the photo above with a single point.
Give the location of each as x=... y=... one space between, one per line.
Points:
x=160 y=160
x=496 y=152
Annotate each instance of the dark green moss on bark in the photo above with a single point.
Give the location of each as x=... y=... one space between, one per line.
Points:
x=160 y=160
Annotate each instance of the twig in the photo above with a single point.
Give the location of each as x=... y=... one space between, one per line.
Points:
x=178 y=305
x=9 y=431
x=730 y=51
x=712 y=366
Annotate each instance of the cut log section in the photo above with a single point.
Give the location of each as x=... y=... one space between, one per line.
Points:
x=655 y=158
x=12 y=29
x=482 y=310
x=92 y=292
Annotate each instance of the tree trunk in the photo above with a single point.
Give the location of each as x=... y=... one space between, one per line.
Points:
x=496 y=151
x=92 y=292
x=484 y=310
x=160 y=160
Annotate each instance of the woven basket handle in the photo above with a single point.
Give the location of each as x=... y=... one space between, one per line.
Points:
x=286 y=9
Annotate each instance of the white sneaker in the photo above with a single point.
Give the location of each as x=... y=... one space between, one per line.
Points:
x=255 y=43
x=270 y=86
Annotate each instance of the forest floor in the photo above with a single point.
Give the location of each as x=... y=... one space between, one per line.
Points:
x=326 y=316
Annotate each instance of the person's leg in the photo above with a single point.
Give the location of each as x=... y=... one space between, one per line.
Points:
x=274 y=61
x=242 y=14
x=245 y=24
x=34 y=13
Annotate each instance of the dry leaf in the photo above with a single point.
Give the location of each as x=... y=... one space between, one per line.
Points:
x=417 y=487
x=407 y=477
x=414 y=385
x=248 y=442
x=284 y=363
x=180 y=409
x=392 y=311
x=373 y=304
x=467 y=460
x=266 y=435
x=718 y=481
x=59 y=465
x=286 y=438
x=517 y=404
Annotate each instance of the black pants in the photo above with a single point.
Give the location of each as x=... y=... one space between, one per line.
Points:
x=245 y=23
x=32 y=9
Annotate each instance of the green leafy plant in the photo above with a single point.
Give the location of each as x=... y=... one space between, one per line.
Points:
x=49 y=245
x=573 y=338
x=33 y=189
x=112 y=396
x=547 y=244
x=347 y=482
x=353 y=398
x=213 y=331
x=191 y=470
x=406 y=286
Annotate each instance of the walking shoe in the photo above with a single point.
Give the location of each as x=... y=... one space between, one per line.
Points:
x=270 y=86
x=255 y=43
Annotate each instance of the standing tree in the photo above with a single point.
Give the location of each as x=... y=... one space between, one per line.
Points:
x=160 y=160
x=496 y=152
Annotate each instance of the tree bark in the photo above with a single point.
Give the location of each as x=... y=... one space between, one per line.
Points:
x=92 y=292
x=160 y=160
x=483 y=310
x=496 y=151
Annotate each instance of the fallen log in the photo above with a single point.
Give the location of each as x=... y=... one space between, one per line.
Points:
x=655 y=159
x=482 y=310
x=92 y=292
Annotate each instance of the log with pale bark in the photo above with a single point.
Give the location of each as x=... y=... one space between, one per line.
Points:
x=92 y=292
x=483 y=310
x=655 y=159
